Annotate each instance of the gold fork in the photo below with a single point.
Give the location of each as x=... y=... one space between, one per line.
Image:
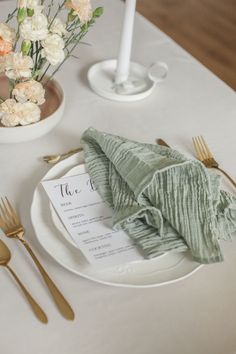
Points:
x=206 y=157
x=11 y=225
x=52 y=159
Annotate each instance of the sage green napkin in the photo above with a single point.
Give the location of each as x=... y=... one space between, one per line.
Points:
x=161 y=199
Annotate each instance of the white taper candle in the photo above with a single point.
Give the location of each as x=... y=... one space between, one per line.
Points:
x=122 y=70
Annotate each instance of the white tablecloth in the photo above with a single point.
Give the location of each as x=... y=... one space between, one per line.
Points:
x=197 y=315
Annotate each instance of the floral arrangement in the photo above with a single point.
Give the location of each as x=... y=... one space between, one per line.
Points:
x=40 y=41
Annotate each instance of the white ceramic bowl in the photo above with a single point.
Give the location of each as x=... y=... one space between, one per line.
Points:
x=36 y=130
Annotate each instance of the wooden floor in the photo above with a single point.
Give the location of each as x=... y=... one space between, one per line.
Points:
x=205 y=28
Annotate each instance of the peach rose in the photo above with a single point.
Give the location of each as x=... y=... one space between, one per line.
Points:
x=82 y=9
x=29 y=90
x=5 y=47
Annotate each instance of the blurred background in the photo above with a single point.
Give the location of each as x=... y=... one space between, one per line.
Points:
x=205 y=28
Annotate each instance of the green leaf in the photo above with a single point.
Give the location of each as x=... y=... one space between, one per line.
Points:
x=25 y=47
x=30 y=12
x=71 y=16
x=98 y=12
x=84 y=28
x=21 y=14
x=36 y=73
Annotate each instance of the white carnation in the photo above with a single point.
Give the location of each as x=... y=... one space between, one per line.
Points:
x=13 y=113
x=34 y=28
x=9 y=113
x=53 y=49
x=29 y=113
x=5 y=48
x=18 y=66
x=32 y=91
x=7 y=33
x=58 y=27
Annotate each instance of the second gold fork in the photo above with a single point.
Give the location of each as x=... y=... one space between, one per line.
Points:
x=11 y=225
x=205 y=156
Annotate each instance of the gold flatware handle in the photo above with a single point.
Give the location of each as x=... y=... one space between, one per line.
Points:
x=162 y=142
x=35 y=307
x=53 y=159
x=226 y=175
x=71 y=152
x=59 y=299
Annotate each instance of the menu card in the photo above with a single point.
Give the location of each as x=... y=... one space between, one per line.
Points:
x=88 y=220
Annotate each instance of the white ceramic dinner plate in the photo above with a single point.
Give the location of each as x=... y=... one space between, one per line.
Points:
x=55 y=240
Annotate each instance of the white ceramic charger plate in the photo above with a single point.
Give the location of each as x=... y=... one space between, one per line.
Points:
x=147 y=273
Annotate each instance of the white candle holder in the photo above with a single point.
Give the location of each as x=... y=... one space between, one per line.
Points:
x=123 y=80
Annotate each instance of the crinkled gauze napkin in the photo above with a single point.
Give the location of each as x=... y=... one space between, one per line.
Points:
x=161 y=199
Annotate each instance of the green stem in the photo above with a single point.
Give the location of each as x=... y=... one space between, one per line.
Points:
x=67 y=42
x=73 y=35
x=67 y=56
x=10 y=16
x=50 y=8
x=42 y=62
x=11 y=96
x=74 y=24
x=31 y=52
x=77 y=37
x=56 y=13
x=2 y=99
x=70 y=39
x=17 y=38
x=45 y=72
x=36 y=57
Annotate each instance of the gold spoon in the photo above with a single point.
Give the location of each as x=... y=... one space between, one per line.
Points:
x=52 y=159
x=5 y=256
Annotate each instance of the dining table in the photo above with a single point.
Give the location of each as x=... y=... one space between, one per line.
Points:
x=194 y=314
